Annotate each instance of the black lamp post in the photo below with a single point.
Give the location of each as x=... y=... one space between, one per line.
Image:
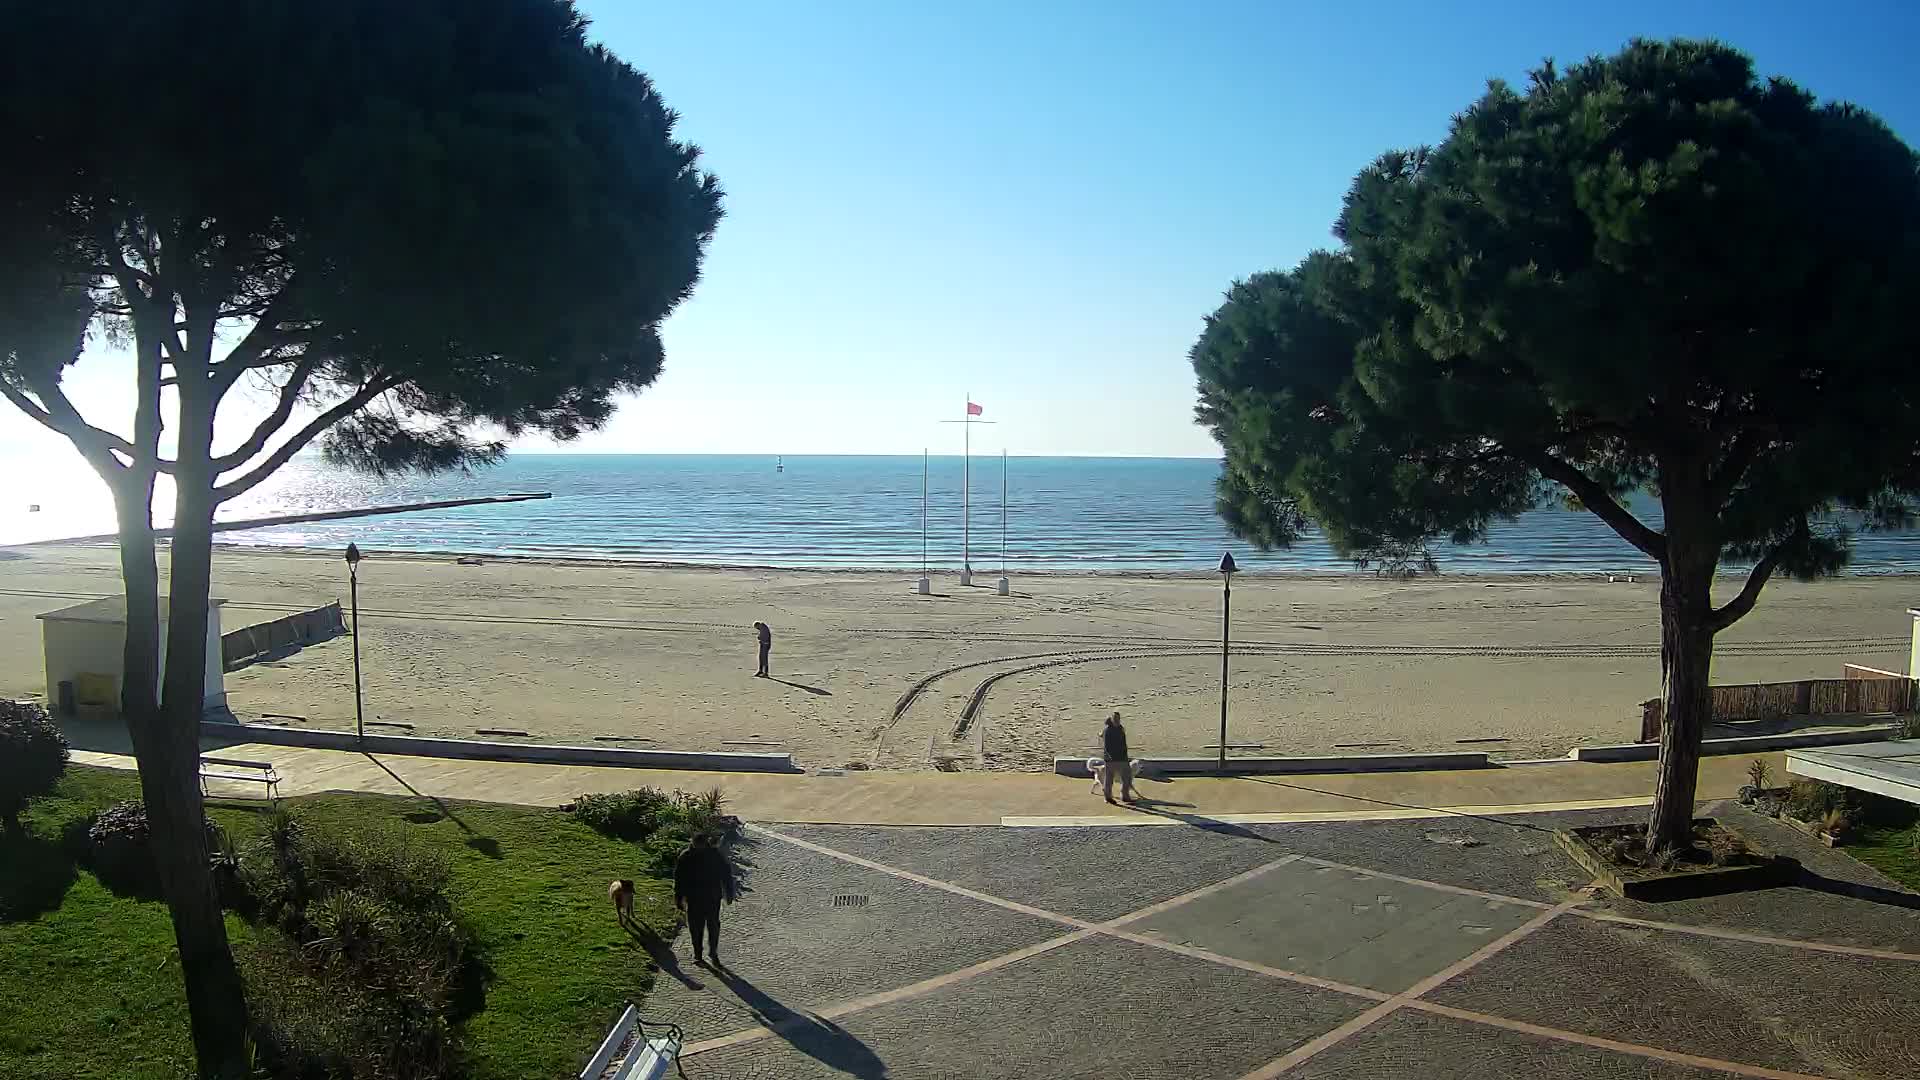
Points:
x=353 y=588
x=1226 y=622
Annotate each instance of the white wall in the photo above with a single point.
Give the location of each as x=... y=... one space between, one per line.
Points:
x=98 y=648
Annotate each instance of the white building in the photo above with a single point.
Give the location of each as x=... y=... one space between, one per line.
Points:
x=85 y=645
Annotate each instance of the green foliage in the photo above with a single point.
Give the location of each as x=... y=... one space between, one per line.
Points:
x=1813 y=800
x=119 y=848
x=1758 y=774
x=33 y=755
x=1650 y=269
x=85 y=960
x=662 y=824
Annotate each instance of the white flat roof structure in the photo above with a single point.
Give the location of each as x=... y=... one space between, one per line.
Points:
x=1884 y=768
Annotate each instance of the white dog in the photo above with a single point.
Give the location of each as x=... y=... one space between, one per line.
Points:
x=1098 y=768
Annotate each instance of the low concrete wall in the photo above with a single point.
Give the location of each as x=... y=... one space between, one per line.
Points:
x=421 y=746
x=1204 y=766
x=1750 y=744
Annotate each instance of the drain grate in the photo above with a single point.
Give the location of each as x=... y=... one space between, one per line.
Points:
x=850 y=900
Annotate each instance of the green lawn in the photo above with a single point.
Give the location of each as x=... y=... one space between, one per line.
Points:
x=91 y=987
x=1891 y=851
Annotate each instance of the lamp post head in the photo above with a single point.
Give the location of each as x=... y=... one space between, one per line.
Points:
x=1226 y=564
x=353 y=555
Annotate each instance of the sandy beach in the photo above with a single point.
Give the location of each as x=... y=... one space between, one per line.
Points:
x=662 y=657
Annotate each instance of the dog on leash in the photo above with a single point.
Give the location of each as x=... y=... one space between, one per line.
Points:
x=620 y=891
x=1098 y=768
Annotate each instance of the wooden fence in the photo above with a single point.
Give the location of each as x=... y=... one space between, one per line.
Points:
x=1864 y=690
x=249 y=643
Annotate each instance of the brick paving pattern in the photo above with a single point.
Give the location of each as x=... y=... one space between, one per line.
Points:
x=1434 y=949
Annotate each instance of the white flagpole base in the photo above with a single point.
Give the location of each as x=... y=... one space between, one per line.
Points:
x=1004 y=587
x=924 y=586
x=966 y=577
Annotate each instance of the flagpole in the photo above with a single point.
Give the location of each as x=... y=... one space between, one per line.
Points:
x=966 y=493
x=925 y=585
x=1003 y=586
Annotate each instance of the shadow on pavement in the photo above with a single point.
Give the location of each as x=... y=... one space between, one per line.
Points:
x=1858 y=890
x=1435 y=810
x=818 y=1038
x=1198 y=821
x=659 y=950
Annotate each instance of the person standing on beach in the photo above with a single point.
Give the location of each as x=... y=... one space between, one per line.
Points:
x=702 y=880
x=1113 y=748
x=766 y=646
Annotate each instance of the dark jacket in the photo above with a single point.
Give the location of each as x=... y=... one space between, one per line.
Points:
x=702 y=877
x=766 y=637
x=1114 y=742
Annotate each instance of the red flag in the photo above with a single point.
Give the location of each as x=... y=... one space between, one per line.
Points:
x=974 y=410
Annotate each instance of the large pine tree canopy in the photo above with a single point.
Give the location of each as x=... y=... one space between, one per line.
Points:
x=1650 y=270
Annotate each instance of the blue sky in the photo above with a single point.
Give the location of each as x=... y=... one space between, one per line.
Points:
x=1036 y=203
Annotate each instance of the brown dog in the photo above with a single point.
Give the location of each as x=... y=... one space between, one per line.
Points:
x=620 y=891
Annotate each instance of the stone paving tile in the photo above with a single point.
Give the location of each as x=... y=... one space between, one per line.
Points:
x=1768 y=1005
x=791 y=949
x=1887 y=918
x=1410 y=1045
x=1091 y=873
x=1339 y=924
x=1094 y=1009
x=1513 y=855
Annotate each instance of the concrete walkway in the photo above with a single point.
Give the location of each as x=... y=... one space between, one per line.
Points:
x=896 y=798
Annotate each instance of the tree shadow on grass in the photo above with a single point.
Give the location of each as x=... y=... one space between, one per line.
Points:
x=35 y=874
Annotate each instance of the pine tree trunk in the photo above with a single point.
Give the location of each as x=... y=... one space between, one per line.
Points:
x=1686 y=660
x=216 y=1000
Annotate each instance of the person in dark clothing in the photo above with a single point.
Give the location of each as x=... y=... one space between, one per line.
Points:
x=702 y=880
x=1113 y=748
x=766 y=646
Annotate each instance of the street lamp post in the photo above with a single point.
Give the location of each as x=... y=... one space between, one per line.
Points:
x=1226 y=624
x=353 y=589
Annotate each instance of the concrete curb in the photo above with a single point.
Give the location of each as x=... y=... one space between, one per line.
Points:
x=538 y=753
x=1206 y=766
x=1754 y=744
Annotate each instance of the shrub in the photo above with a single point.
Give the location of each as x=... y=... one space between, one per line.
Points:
x=1812 y=800
x=626 y=815
x=33 y=755
x=1835 y=823
x=1759 y=774
x=1908 y=727
x=382 y=968
x=1724 y=848
x=119 y=848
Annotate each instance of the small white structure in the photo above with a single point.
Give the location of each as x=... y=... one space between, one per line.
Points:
x=86 y=644
x=1913 y=657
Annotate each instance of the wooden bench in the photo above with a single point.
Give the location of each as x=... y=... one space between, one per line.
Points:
x=252 y=772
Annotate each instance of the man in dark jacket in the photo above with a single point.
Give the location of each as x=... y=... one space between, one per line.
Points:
x=702 y=880
x=1113 y=749
x=766 y=646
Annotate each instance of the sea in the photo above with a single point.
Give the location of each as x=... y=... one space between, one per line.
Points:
x=866 y=512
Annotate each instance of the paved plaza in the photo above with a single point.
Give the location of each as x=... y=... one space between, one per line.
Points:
x=1435 y=948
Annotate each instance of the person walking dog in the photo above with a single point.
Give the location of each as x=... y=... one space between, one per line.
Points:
x=702 y=880
x=1113 y=749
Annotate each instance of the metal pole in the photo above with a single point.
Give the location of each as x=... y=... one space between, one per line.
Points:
x=1226 y=623
x=359 y=716
x=923 y=511
x=966 y=492
x=1003 y=511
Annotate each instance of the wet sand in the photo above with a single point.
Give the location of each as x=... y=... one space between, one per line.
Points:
x=663 y=657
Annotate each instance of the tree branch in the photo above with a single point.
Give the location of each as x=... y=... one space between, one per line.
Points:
x=1730 y=612
x=1601 y=502
x=289 y=397
x=62 y=418
x=352 y=404
x=1740 y=457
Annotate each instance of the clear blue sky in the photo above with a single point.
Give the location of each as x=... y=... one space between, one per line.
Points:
x=1037 y=202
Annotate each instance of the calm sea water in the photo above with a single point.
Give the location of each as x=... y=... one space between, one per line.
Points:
x=848 y=512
